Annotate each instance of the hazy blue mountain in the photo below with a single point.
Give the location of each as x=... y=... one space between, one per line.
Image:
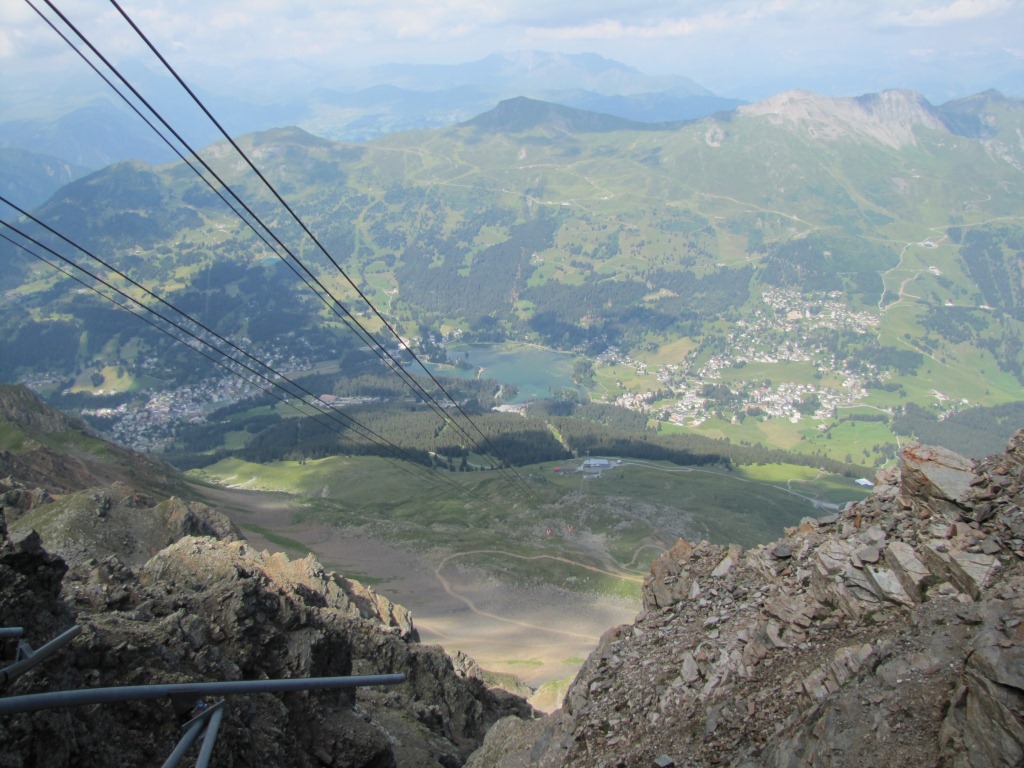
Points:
x=361 y=105
x=91 y=136
x=657 y=107
x=522 y=72
x=982 y=116
x=352 y=105
x=29 y=178
x=522 y=114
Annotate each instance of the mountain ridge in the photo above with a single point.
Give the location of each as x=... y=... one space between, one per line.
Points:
x=522 y=114
x=43 y=446
x=580 y=232
x=351 y=105
x=889 y=117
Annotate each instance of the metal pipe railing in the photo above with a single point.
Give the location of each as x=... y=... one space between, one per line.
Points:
x=209 y=738
x=192 y=729
x=78 y=698
x=33 y=658
x=205 y=725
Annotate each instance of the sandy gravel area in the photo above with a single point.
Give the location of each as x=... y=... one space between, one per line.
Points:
x=539 y=635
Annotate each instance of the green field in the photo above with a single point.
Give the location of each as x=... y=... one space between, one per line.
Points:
x=584 y=532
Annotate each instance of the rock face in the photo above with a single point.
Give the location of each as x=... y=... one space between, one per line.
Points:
x=112 y=520
x=80 y=500
x=216 y=609
x=891 y=634
x=889 y=117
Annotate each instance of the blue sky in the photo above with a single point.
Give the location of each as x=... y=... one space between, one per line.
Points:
x=744 y=48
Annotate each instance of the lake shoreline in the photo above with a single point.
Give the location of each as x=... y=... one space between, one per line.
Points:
x=537 y=372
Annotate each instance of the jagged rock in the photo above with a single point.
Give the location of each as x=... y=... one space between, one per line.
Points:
x=913 y=575
x=119 y=520
x=933 y=472
x=667 y=582
x=796 y=611
x=846 y=663
x=991 y=546
x=17 y=499
x=185 y=518
x=869 y=554
x=205 y=609
x=689 y=671
x=984 y=726
x=30 y=583
x=968 y=571
x=515 y=743
x=728 y=562
x=887 y=586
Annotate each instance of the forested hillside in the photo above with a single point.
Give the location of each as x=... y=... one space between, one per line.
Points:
x=807 y=256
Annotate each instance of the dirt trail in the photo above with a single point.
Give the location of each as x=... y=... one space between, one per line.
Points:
x=539 y=635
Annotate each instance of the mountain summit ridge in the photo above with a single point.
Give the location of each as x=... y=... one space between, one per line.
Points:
x=888 y=117
x=522 y=114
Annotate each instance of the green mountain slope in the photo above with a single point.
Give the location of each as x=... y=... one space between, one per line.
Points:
x=42 y=446
x=862 y=252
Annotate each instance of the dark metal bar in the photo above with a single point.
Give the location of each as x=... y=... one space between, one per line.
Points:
x=195 y=727
x=209 y=738
x=204 y=713
x=7 y=633
x=11 y=673
x=83 y=697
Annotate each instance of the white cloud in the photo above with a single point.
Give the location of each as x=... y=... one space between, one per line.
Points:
x=612 y=29
x=718 y=42
x=932 y=14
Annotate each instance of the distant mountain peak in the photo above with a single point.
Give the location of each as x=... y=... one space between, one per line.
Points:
x=888 y=117
x=980 y=116
x=547 y=71
x=521 y=114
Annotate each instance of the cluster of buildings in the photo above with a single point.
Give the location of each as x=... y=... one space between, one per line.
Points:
x=787 y=327
x=151 y=425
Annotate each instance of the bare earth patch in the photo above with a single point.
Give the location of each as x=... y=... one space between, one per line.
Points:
x=540 y=635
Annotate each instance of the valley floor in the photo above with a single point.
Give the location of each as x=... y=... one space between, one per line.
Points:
x=540 y=635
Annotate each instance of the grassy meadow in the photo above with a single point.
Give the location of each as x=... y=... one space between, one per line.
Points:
x=592 y=533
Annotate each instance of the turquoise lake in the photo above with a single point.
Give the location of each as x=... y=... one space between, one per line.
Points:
x=538 y=372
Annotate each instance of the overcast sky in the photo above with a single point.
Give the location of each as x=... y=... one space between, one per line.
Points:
x=743 y=48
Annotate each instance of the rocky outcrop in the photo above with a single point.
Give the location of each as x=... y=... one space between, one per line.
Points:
x=30 y=586
x=209 y=609
x=21 y=408
x=888 y=635
x=111 y=520
x=890 y=117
